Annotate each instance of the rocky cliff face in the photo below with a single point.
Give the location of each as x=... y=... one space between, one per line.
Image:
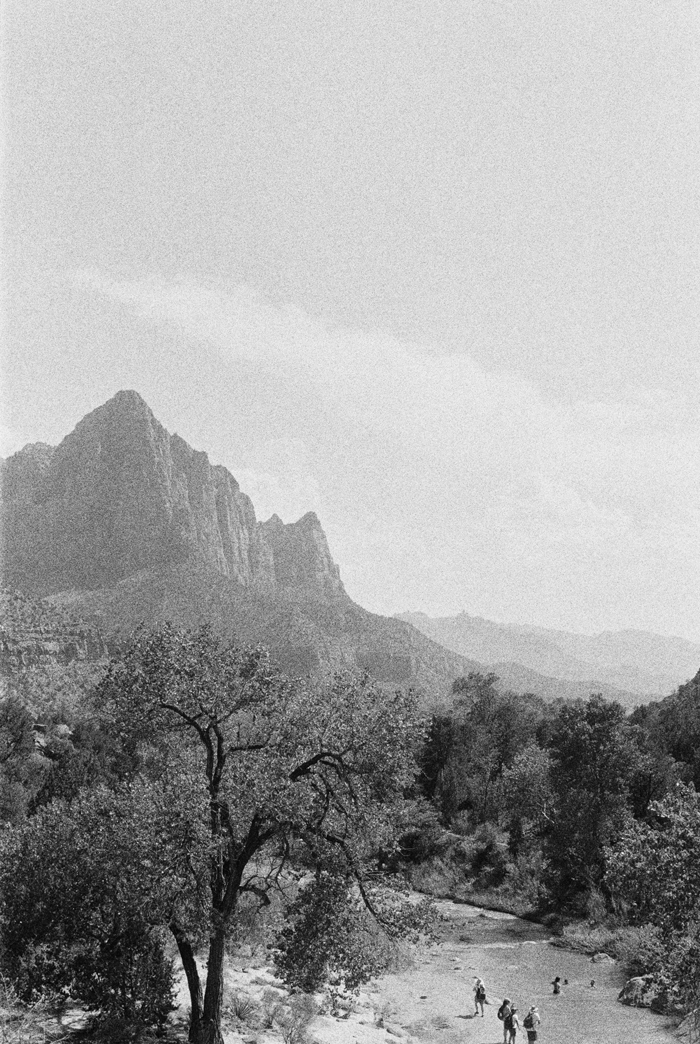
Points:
x=35 y=634
x=301 y=557
x=120 y=495
x=123 y=524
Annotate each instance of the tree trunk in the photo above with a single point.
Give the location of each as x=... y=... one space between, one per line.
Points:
x=209 y=1028
x=193 y=982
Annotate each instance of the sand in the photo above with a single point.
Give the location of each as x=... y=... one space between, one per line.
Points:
x=431 y=998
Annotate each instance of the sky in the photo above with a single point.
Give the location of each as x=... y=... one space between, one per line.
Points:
x=428 y=269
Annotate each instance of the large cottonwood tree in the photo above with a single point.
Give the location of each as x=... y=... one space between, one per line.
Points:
x=275 y=765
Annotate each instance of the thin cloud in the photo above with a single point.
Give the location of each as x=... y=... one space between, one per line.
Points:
x=446 y=457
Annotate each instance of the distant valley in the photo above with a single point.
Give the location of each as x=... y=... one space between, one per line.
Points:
x=630 y=666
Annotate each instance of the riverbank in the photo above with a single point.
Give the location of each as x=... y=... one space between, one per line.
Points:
x=515 y=958
x=429 y=997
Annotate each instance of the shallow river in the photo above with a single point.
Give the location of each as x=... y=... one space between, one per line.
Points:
x=433 y=1000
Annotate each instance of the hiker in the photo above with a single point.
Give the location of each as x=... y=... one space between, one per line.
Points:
x=512 y=1024
x=557 y=985
x=479 y=997
x=531 y=1022
x=503 y=1013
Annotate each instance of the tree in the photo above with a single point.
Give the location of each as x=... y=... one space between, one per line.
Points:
x=78 y=907
x=20 y=764
x=331 y=938
x=654 y=867
x=277 y=766
x=469 y=747
x=653 y=873
x=528 y=796
x=593 y=762
x=675 y=728
x=50 y=742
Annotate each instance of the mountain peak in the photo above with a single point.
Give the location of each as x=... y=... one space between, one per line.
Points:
x=120 y=495
x=123 y=411
x=126 y=400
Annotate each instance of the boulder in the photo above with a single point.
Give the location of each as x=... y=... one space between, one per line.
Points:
x=639 y=992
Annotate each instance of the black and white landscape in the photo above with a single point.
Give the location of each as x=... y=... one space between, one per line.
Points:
x=349 y=559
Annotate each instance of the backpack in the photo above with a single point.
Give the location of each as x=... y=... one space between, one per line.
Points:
x=481 y=993
x=502 y=1011
x=528 y=1021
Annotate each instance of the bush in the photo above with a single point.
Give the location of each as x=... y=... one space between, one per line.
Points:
x=641 y=950
x=128 y=978
x=330 y=940
x=132 y=980
x=243 y=1007
x=294 y=1019
x=489 y=862
x=271 y=1007
x=71 y=926
x=21 y=1023
x=435 y=877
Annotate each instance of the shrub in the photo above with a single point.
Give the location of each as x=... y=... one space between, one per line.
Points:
x=243 y=1007
x=436 y=877
x=73 y=919
x=489 y=863
x=131 y=980
x=21 y=1023
x=271 y=1008
x=294 y=1019
x=330 y=940
x=641 y=950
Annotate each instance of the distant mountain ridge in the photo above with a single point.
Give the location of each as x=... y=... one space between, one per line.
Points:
x=636 y=662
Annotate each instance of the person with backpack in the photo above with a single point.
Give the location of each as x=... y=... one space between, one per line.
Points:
x=503 y=1013
x=512 y=1024
x=479 y=997
x=531 y=1022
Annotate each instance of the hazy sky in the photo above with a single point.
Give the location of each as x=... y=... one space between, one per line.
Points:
x=429 y=269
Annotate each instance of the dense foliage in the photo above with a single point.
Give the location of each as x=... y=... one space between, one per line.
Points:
x=219 y=775
x=169 y=795
x=653 y=870
x=575 y=809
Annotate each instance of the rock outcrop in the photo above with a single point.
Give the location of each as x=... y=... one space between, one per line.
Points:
x=120 y=494
x=35 y=634
x=640 y=992
x=301 y=557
